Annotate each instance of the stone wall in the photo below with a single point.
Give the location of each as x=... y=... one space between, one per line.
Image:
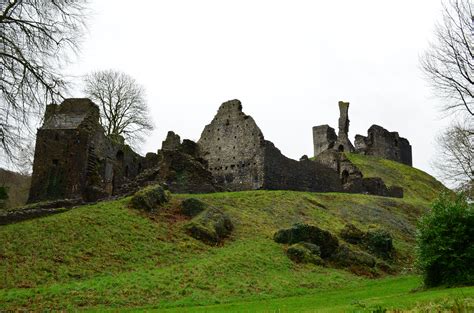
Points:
x=234 y=148
x=73 y=157
x=239 y=157
x=382 y=143
x=324 y=138
x=282 y=173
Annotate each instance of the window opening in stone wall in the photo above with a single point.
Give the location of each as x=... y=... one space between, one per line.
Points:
x=119 y=155
x=126 y=171
x=341 y=148
x=345 y=177
x=55 y=162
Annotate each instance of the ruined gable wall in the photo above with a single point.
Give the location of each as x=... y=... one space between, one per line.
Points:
x=233 y=146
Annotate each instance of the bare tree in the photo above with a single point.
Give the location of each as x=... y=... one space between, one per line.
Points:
x=122 y=103
x=36 y=38
x=455 y=159
x=449 y=62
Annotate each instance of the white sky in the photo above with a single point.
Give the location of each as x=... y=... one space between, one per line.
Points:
x=289 y=62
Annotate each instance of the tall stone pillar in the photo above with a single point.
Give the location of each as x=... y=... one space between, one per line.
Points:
x=343 y=143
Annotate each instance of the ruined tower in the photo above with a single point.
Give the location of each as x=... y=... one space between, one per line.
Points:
x=343 y=144
x=325 y=138
x=73 y=157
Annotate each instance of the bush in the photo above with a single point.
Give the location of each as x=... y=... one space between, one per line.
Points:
x=445 y=242
x=379 y=241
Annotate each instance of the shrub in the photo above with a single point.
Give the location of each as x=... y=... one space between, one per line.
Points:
x=379 y=241
x=445 y=242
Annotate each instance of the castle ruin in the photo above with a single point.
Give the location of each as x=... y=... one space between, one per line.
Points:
x=379 y=141
x=75 y=160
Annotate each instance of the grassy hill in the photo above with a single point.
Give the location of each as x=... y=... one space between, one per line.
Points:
x=108 y=255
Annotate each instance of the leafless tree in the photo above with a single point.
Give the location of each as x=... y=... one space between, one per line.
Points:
x=449 y=63
x=122 y=103
x=36 y=39
x=455 y=158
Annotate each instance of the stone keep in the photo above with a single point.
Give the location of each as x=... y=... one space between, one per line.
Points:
x=73 y=157
x=239 y=157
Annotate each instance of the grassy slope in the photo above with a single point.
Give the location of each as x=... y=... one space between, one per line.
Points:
x=417 y=184
x=107 y=255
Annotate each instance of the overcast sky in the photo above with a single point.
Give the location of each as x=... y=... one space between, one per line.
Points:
x=289 y=62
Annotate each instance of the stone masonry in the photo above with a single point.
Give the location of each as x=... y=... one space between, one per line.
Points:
x=75 y=160
x=379 y=141
x=382 y=143
x=241 y=159
x=73 y=157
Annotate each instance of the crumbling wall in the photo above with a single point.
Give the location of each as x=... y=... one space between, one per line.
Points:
x=62 y=143
x=324 y=138
x=240 y=158
x=352 y=179
x=382 y=143
x=234 y=148
x=305 y=175
x=73 y=157
x=179 y=166
x=343 y=144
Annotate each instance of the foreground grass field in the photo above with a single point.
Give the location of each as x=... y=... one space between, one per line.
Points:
x=391 y=294
x=108 y=256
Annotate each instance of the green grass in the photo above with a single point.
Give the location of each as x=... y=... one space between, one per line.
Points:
x=392 y=294
x=110 y=256
x=417 y=184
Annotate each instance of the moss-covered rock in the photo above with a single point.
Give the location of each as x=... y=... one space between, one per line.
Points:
x=352 y=234
x=305 y=252
x=345 y=256
x=192 y=207
x=327 y=242
x=211 y=226
x=150 y=198
x=379 y=242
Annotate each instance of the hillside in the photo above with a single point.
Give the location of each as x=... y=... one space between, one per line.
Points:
x=109 y=255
